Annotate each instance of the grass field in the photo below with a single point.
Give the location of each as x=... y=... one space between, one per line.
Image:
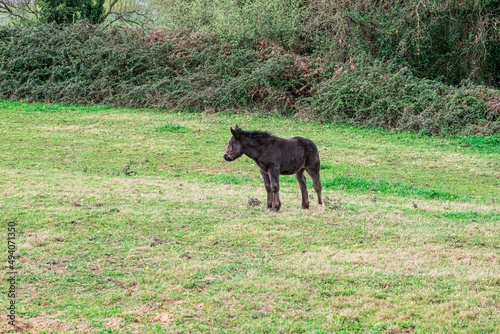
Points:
x=131 y=221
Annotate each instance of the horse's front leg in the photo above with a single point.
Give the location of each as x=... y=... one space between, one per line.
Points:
x=274 y=178
x=267 y=184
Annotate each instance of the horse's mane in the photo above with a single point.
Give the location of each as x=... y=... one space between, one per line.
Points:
x=257 y=134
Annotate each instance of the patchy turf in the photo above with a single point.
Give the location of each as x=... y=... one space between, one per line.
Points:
x=131 y=220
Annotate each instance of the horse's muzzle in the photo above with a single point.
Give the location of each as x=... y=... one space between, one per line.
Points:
x=228 y=158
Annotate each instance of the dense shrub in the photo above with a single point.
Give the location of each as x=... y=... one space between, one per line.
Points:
x=447 y=40
x=138 y=68
x=85 y=64
x=381 y=96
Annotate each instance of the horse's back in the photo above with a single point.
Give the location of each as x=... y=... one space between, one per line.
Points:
x=309 y=146
x=310 y=149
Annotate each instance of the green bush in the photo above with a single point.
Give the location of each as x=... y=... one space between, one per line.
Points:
x=132 y=67
x=378 y=95
x=70 y=11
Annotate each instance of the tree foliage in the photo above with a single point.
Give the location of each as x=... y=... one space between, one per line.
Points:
x=128 y=12
x=71 y=11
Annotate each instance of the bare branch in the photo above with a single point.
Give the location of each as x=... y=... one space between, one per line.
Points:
x=21 y=9
x=110 y=10
x=126 y=17
x=127 y=11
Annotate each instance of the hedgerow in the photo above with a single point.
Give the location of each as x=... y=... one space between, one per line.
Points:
x=378 y=95
x=132 y=67
x=87 y=64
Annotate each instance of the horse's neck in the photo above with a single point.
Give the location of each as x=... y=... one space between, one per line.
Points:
x=253 y=150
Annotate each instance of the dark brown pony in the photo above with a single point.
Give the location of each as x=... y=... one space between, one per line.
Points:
x=276 y=156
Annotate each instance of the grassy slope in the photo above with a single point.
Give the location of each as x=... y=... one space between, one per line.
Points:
x=131 y=221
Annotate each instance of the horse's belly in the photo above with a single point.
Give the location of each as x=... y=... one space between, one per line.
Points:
x=289 y=170
x=292 y=165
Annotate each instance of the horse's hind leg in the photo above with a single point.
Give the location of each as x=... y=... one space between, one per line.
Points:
x=301 y=179
x=313 y=171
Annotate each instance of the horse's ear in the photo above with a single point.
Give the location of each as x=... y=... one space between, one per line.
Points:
x=236 y=133
x=239 y=131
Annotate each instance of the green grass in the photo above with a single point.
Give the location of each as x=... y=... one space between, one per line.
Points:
x=172 y=128
x=123 y=227
x=384 y=186
x=487 y=144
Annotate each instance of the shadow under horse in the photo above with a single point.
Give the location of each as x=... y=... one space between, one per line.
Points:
x=277 y=156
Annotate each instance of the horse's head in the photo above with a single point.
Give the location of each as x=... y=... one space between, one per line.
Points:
x=234 y=148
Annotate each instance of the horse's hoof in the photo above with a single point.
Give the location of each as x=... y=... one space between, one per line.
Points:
x=321 y=207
